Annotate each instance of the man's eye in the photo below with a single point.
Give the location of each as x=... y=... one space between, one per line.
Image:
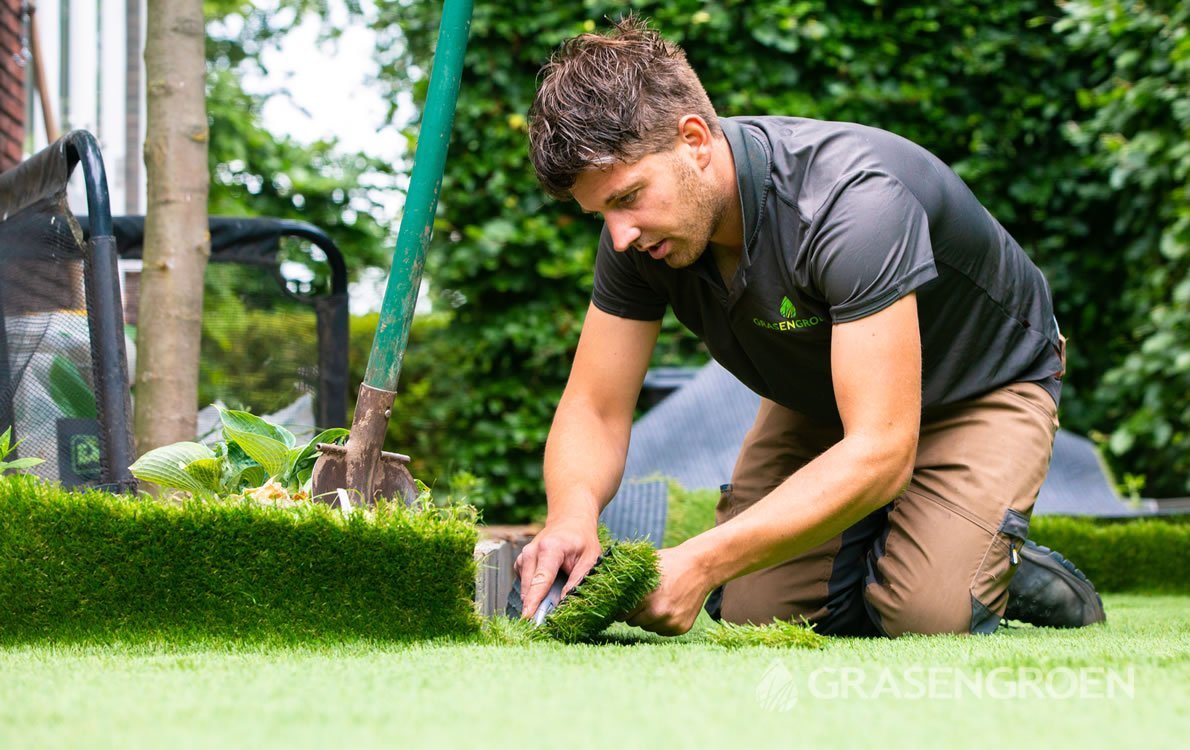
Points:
x=629 y=199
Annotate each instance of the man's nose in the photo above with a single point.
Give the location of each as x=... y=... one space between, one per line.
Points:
x=623 y=232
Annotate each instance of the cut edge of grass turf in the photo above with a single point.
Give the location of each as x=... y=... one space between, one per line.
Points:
x=93 y=567
x=627 y=573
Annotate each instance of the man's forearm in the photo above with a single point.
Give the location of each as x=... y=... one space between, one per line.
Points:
x=584 y=462
x=819 y=502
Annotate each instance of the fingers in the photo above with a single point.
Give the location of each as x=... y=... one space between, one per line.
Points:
x=634 y=617
x=538 y=572
x=579 y=571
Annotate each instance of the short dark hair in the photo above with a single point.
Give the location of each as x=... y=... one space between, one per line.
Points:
x=615 y=96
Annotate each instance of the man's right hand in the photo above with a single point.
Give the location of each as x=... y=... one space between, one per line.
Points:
x=570 y=546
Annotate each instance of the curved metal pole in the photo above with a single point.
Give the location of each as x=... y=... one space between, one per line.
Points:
x=106 y=316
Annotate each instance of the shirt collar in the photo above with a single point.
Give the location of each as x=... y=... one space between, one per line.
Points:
x=753 y=171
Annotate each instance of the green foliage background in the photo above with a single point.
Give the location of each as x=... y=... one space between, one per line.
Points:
x=1068 y=121
x=257 y=173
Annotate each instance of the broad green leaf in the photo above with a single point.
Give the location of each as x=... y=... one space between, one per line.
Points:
x=20 y=463
x=166 y=466
x=264 y=443
x=235 y=461
x=301 y=460
x=269 y=453
x=253 y=475
x=244 y=422
x=69 y=391
x=208 y=472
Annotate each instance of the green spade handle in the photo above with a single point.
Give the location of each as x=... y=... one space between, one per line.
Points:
x=417 y=223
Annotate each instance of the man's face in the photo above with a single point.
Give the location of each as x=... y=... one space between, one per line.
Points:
x=662 y=204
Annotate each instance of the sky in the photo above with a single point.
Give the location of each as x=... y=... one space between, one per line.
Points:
x=329 y=85
x=331 y=97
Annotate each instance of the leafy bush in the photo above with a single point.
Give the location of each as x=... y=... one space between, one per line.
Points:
x=80 y=566
x=256 y=173
x=1024 y=98
x=1137 y=135
x=1150 y=555
x=253 y=452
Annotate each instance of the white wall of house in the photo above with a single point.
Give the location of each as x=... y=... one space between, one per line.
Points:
x=86 y=54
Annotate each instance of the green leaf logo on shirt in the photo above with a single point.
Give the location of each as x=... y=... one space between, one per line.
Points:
x=791 y=322
x=787 y=308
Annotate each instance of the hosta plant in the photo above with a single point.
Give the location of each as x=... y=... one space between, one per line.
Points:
x=17 y=464
x=253 y=454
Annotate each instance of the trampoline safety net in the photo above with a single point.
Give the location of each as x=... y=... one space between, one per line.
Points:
x=275 y=320
x=259 y=344
x=47 y=384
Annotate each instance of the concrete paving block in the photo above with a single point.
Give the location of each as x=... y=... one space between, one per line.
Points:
x=493 y=577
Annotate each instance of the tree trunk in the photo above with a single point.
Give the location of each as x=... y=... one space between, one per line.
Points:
x=177 y=241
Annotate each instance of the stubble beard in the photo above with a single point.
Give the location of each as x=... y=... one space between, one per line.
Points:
x=703 y=219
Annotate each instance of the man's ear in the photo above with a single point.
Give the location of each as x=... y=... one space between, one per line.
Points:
x=694 y=133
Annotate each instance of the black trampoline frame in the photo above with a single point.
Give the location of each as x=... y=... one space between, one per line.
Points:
x=256 y=241
x=105 y=313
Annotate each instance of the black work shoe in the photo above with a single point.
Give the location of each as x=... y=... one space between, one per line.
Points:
x=1049 y=591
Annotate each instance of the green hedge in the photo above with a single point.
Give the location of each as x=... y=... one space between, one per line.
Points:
x=1068 y=120
x=88 y=565
x=1148 y=554
x=1143 y=554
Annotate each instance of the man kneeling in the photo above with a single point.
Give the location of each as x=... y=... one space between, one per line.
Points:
x=904 y=346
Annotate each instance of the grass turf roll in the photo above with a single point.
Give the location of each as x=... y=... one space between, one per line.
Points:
x=616 y=585
x=89 y=565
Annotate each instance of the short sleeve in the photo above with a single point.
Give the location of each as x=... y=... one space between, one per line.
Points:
x=620 y=289
x=872 y=246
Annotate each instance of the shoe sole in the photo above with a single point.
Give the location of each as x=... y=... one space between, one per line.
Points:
x=1075 y=578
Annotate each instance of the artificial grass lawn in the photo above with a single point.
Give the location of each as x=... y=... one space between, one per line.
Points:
x=633 y=690
x=80 y=565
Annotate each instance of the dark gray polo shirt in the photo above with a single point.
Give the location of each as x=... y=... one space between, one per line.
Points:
x=840 y=221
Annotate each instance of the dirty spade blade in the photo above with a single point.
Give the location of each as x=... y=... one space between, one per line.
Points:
x=361 y=468
x=390 y=478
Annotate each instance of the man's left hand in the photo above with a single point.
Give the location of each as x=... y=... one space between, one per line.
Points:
x=673 y=606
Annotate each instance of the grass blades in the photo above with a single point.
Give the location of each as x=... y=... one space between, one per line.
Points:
x=777 y=634
x=665 y=692
x=618 y=584
x=86 y=566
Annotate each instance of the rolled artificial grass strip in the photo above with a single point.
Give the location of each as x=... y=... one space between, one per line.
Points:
x=616 y=585
x=777 y=634
x=82 y=566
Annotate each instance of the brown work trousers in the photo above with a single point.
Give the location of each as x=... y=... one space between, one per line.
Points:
x=939 y=557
